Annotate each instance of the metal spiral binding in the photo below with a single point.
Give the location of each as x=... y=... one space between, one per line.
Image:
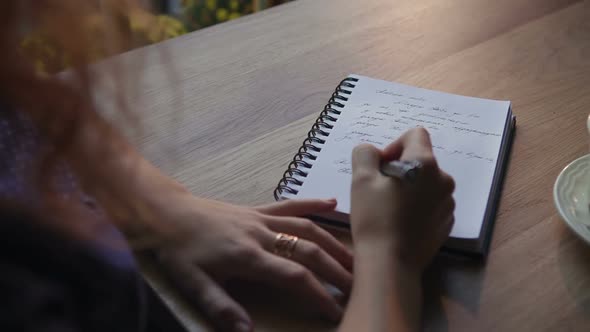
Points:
x=321 y=128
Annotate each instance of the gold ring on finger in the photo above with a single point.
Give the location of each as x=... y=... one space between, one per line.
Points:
x=285 y=245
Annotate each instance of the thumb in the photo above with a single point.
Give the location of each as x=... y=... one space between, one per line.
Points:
x=365 y=161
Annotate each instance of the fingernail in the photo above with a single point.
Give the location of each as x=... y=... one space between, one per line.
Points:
x=331 y=200
x=241 y=326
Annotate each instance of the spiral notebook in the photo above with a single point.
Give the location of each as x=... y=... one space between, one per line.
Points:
x=471 y=138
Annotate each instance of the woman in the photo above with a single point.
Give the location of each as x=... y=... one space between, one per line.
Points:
x=77 y=199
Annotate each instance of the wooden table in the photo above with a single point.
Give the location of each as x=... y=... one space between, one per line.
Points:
x=244 y=94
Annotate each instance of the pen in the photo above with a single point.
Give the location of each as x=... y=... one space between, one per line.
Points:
x=402 y=169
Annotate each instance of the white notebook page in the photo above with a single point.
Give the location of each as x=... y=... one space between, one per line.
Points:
x=466 y=135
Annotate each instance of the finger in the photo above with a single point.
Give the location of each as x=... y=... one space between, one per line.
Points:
x=414 y=144
x=323 y=265
x=394 y=150
x=447 y=207
x=445 y=217
x=295 y=278
x=365 y=161
x=317 y=260
x=446 y=228
x=448 y=183
x=306 y=229
x=417 y=146
x=298 y=207
x=216 y=304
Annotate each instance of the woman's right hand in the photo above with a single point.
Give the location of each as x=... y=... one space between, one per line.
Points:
x=411 y=220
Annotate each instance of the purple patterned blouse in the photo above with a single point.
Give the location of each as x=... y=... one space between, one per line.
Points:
x=50 y=283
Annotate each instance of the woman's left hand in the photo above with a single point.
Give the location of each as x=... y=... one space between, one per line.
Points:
x=226 y=242
x=218 y=242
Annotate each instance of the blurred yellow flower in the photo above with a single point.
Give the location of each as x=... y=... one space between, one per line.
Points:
x=221 y=14
x=211 y=4
x=234 y=5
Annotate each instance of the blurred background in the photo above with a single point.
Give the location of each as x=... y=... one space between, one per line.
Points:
x=196 y=14
x=166 y=19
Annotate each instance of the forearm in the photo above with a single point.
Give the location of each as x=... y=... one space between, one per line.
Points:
x=112 y=171
x=386 y=295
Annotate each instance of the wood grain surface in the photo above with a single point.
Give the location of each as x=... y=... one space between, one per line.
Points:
x=242 y=95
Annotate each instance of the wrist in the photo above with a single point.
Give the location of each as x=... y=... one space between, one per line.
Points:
x=388 y=286
x=153 y=204
x=387 y=252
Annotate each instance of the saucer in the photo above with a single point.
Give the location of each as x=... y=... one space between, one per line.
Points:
x=572 y=196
